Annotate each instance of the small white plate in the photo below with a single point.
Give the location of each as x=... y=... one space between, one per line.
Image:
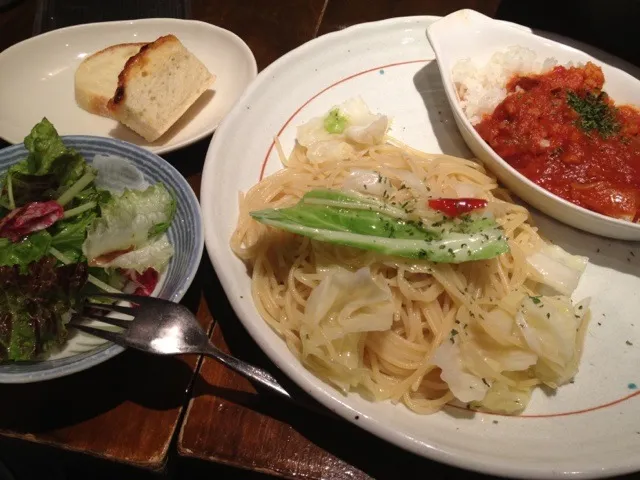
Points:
x=589 y=428
x=38 y=74
x=485 y=36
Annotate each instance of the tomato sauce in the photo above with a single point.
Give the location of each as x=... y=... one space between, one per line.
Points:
x=562 y=132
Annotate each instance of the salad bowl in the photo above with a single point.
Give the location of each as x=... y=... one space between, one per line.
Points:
x=83 y=351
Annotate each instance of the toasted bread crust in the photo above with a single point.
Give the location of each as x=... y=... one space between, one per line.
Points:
x=115 y=47
x=98 y=104
x=137 y=61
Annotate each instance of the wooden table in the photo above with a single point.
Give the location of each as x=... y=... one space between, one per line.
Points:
x=180 y=416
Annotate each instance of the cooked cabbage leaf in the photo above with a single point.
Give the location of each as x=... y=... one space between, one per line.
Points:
x=364 y=222
x=558 y=268
x=339 y=311
x=464 y=385
x=342 y=131
x=482 y=369
x=550 y=328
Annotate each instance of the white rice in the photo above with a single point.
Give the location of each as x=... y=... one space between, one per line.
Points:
x=481 y=88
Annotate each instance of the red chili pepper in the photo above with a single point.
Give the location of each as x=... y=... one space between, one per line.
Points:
x=32 y=217
x=452 y=207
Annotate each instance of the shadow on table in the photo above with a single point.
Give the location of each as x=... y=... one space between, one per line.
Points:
x=154 y=382
x=189 y=160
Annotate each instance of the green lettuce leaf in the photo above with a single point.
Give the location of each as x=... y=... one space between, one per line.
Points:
x=92 y=194
x=22 y=344
x=33 y=304
x=17 y=334
x=67 y=236
x=110 y=276
x=57 y=167
x=69 y=168
x=155 y=254
x=44 y=146
x=28 y=250
x=28 y=188
x=129 y=221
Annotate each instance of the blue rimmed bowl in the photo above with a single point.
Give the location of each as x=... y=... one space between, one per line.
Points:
x=186 y=234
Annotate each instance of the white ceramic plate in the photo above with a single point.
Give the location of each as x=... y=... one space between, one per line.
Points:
x=485 y=36
x=590 y=428
x=37 y=79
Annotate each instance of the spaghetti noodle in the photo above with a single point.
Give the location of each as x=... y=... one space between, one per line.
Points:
x=478 y=331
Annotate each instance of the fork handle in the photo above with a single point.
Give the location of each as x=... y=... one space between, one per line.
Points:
x=260 y=376
x=247 y=370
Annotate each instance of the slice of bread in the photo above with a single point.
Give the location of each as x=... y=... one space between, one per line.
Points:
x=157 y=86
x=97 y=76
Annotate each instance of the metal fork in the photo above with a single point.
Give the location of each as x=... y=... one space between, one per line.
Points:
x=162 y=327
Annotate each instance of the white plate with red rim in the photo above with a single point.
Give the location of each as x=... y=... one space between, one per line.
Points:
x=38 y=79
x=590 y=428
x=485 y=36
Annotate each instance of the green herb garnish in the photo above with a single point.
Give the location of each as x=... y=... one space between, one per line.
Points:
x=595 y=113
x=535 y=300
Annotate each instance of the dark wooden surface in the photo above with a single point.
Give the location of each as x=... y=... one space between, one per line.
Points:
x=152 y=412
x=341 y=14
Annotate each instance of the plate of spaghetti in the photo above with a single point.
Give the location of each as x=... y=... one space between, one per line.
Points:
x=388 y=273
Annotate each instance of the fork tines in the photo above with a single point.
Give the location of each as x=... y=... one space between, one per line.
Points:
x=94 y=311
x=127 y=297
x=114 y=337
x=116 y=322
x=112 y=308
